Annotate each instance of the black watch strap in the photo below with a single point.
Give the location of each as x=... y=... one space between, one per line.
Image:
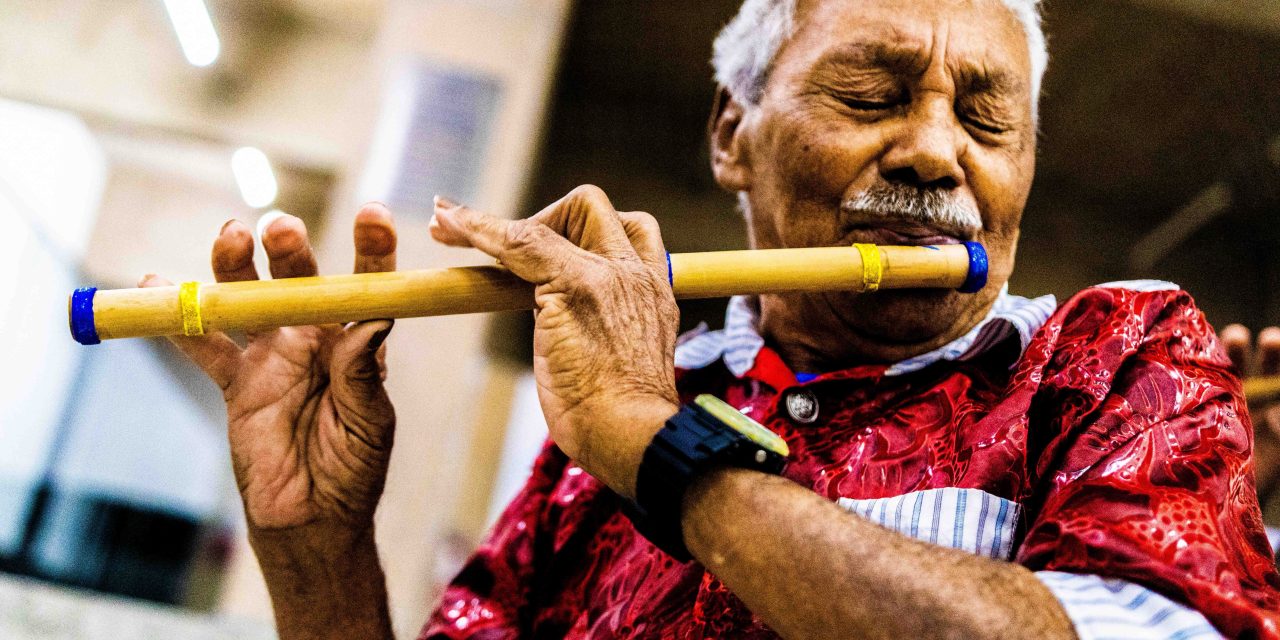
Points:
x=701 y=436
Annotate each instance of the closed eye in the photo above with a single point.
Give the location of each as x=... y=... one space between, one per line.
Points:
x=985 y=126
x=870 y=105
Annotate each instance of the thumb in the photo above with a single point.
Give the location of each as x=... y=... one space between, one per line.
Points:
x=356 y=372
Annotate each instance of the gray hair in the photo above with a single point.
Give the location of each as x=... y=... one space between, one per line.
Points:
x=745 y=49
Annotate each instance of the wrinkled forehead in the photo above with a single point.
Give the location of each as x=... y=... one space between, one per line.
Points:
x=975 y=38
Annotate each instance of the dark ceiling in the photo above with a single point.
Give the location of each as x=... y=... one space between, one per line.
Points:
x=1142 y=110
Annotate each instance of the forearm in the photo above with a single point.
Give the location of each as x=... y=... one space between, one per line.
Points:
x=324 y=585
x=813 y=570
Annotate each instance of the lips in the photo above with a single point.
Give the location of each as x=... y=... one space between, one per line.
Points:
x=883 y=236
x=890 y=228
x=898 y=232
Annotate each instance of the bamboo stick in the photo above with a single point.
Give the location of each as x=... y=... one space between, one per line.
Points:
x=195 y=309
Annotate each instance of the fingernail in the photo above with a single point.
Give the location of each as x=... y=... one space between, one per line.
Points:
x=443 y=202
x=142 y=282
x=227 y=225
x=266 y=220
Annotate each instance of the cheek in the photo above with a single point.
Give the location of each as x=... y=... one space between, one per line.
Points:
x=821 y=154
x=1001 y=183
x=815 y=162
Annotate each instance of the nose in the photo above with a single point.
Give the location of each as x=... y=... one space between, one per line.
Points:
x=925 y=150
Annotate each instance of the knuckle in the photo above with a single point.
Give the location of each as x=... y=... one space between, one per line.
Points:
x=589 y=197
x=588 y=278
x=517 y=236
x=588 y=192
x=647 y=221
x=525 y=234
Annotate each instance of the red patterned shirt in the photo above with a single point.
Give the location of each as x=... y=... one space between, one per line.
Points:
x=1103 y=443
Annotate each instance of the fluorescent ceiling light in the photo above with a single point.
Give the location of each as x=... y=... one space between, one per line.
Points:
x=254 y=176
x=191 y=21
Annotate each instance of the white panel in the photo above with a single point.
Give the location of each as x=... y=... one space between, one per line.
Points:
x=54 y=171
x=137 y=437
x=51 y=178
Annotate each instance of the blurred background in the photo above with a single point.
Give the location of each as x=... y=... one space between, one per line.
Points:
x=130 y=130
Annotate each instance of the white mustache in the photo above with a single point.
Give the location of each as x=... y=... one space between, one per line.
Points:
x=934 y=208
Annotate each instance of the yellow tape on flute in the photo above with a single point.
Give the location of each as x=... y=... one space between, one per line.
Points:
x=194 y=309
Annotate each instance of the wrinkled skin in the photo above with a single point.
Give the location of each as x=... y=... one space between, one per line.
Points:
x=311 y=429
x=605 y=329
x=934 y=97
x=931 y=95
x=310 y=423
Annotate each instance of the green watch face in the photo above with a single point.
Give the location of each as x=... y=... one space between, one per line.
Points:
x=752 y=430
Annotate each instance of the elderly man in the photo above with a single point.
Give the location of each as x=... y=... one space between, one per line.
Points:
x=959 y=466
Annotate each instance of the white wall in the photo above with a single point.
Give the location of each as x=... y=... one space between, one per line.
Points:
x=51 y=176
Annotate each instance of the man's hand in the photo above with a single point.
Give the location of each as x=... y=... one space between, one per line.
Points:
x=1262 y=359
x=606 y=322
x=310 y=427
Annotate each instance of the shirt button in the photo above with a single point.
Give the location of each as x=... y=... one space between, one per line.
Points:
x=803 y=407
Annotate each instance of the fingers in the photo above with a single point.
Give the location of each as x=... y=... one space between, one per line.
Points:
x=357 y=374
x=375 y=239
x=1237 y=339
x=284 y=237
x=587 y=218
x=531 y=250
x=646 y=238
x=1269 y=351
x=216 y=354
x=233 y=253
x=535 y=249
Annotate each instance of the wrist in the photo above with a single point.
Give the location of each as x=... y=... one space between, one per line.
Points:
x=646 y=419
x=317 y=555
x=703 y=438
x=324 y=581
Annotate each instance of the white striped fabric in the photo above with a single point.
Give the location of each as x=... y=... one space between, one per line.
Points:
x=699 y=348
x=1026 y=317
x=1141 y=286
x=1111 y=609
x=739 y=342
x=984 y=524
x=742 y=339
x=969 y=519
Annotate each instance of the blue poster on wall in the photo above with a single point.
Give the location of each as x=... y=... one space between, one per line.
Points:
x=432 y=137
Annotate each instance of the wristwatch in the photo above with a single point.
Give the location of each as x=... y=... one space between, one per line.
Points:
x=705 y=434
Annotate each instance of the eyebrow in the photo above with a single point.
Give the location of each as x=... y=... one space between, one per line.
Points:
x=892 y=56
x=971 y=79
x=891 y=53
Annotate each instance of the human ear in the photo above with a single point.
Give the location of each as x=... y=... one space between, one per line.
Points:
x=730 y=160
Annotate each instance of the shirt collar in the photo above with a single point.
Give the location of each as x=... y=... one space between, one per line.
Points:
x=739 y=344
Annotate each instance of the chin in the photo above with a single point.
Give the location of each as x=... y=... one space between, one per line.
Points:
x=904 y=317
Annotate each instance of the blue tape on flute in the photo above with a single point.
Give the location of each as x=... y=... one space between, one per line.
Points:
x=83 y=328
x=977 y=268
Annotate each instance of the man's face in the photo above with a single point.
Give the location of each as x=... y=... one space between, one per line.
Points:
x=909 y=96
